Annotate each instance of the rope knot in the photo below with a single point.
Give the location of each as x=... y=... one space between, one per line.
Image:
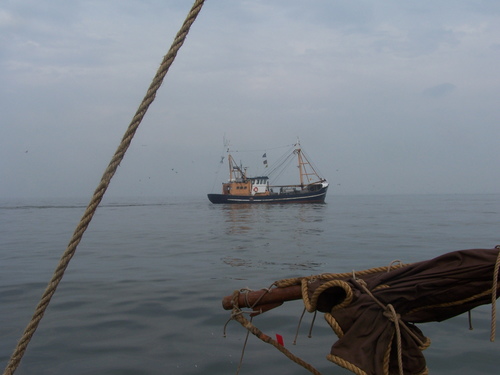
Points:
x=391 y=314
x=362 y=283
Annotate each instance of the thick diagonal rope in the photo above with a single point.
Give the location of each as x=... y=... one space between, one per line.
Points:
x=101 y=189
x=494 y=290
x=237 y=314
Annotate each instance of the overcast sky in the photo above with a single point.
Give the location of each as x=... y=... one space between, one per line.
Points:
x=387 y=97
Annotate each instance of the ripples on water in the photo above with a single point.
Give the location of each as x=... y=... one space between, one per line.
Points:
x=143 y=293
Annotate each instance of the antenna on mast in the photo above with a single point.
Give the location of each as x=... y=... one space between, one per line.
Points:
x=298 y=142
x=226 y=142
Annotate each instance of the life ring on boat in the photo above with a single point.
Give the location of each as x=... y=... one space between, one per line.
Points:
x=256 y=189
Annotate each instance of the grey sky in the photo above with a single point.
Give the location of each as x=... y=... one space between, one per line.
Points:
x=386 y=96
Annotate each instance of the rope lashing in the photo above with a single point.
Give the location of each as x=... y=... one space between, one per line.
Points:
x=395 y=318
x=391 y=314
x=101 y=189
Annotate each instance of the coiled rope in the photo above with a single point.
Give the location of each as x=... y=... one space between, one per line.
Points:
x=101 y=189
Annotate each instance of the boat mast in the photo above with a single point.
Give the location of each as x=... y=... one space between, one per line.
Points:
x=303 y=164
x=300 y=162
x=233 y=167
x=230 y=163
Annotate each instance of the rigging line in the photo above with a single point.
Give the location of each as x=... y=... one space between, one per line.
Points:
x=280 y=169
x=22 y=345
x=281 y=160
x=260 y=150
x=313 y=166
x=216 y=177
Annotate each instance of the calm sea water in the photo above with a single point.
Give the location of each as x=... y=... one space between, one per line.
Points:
x=143 y=293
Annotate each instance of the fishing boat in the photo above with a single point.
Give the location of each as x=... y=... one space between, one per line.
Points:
x=241 y=188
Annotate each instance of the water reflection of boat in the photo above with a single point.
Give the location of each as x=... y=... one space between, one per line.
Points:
x=244 y=189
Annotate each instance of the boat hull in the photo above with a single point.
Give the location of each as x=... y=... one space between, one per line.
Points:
x=317 y=196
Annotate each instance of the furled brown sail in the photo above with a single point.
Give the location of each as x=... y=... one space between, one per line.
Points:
x=374 y=312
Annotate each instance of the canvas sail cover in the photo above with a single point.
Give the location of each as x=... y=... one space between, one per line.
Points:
x=357 y=307
x=374 y=312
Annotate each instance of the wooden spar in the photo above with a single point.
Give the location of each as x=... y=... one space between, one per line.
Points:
x=304 y=164
x=258 y=298
x=302 y=170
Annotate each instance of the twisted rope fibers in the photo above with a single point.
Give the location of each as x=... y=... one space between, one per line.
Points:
x=494 y=297
x=237 y=314
x=101 y=189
